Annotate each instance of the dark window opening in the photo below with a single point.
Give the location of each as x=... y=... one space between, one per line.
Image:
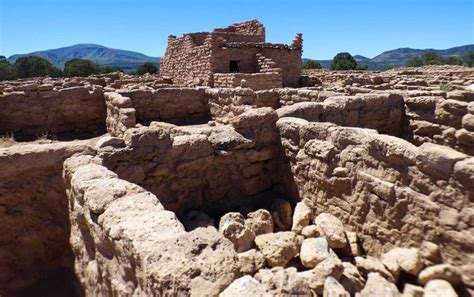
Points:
x=234 y=66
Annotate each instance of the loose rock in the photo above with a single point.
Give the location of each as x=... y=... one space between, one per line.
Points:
x=260 y=222
x=314 y=251
x=439 y=288
x=278 y=248
x=332 y=228
x=232 y=226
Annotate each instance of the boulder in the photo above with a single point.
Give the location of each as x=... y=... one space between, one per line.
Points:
x=281 y=213
x=310 y=231
x=412 y=291
x=260 y=222
x=378 y=286
x=408 y=259
x=446 y=272
x=244 y=286
x=315 y=277
x=332 y=228
x=232 y=226
x=439 y=288
x=301 y=217
x=251 y=261
x=332 y=288
x=314 y=251
x=351 y=278
x=370 y=264
x=283 y=282
x=429 y=253
x=229 y=139
x=278 y=248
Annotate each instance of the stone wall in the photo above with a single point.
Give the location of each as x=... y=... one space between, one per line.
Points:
x=290 y=96
x=255 y=81
x=214 y=168
x=37 y=110
x=385 y=188
x=286 y=58
x=172 y=105
x=440 y=117
x=126 y=244
x=34 y=250
x=121 y=115
x=383 y=112
x=251 y=28
x=192 y=59
x=186 y=63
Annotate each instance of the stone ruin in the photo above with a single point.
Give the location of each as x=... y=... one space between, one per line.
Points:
x=359 y=185
x=226 y=56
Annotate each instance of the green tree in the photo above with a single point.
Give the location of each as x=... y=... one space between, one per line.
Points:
x=33 y=66
x=7 y=70
x=79 y=67
x=109 y=69
x=147 y=68
x=452 y=60
x=344 y=61
x=311 y=64
x=362 y=66
x=416 y=61
x=432 y=58
x=468 y=59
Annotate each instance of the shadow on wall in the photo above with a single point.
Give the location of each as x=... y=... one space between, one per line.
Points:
x=35 y=255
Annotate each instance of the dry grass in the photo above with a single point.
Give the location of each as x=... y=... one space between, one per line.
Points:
x=446 y=87
x=7 y=140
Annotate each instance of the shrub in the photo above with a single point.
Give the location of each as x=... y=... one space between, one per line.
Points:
x=109 y=69
x=344 y=61
x=148 y=67
x=7 y=70
x=79 y=67
x=452 y=60
x=446 y=87
x=311 y=64
x=468 y=59
x=414 y=62
x=33 y=66
x=432 y=58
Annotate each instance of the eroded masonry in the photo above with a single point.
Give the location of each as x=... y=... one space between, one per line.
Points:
x=234 y=174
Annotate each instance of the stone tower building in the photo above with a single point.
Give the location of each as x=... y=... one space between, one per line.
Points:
x=226 y=56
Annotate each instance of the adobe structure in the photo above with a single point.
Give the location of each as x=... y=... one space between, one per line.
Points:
x=360 y=185
x=226 y=56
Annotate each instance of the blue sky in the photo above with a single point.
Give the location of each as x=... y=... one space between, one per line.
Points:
x=366 y=27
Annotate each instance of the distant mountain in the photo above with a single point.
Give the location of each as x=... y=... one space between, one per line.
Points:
x=103 y=56
x=398 y=57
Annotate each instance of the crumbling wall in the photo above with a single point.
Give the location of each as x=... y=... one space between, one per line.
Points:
x=126 y=244
x=120 y=114
x=35 y=227
x=386 y=189
x=226 y=103
x=255 y=81
x=36 y=110
x=290 y=96
x=442 y=118
x=186 y=62
x=286 y=58
x=201 y=167
x=172 y=105
x=252 y=30
x=383 y=112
